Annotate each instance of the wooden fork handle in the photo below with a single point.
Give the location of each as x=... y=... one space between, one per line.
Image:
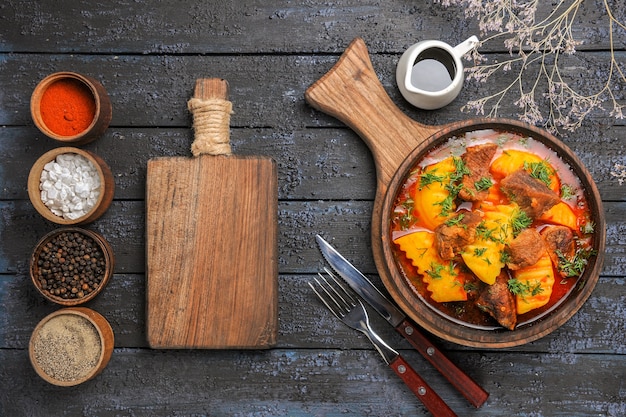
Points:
x=473 y=392
x=431 y=400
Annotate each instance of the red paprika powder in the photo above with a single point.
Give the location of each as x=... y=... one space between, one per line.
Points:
x=67 y=107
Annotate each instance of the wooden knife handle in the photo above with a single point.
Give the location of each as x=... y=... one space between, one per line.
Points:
x=473 y=392
x=420 y=388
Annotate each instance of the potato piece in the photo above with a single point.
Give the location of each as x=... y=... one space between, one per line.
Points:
x=443 y=283
x=561 y=214
x=511 y=160
x=534 y=284
x=431 y=195
x=441 y=277
x=484 y=256
x=418 y=247
x=484 y=260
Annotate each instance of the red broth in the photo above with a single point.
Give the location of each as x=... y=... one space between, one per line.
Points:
x=404 y=221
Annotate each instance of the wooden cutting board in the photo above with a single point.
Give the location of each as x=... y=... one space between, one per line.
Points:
x=211 y=239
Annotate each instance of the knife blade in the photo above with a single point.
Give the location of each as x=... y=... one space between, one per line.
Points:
x=473 y=392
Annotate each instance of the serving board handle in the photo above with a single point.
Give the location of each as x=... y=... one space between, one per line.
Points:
x=352 y=93
x=211 y=117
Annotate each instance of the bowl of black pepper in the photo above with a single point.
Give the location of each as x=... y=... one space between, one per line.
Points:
x=71 y=346
x=70 y=265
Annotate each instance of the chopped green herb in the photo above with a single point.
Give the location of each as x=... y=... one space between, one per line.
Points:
x=479 y=251
x=504 y=232
x=505 y=257
x=524 y=141
x=520 y=221
x=502 y=139
x=447 y=205
x=454 y=189
x=492 y=234
x=483 y=184
x=567 y=191
x=460 y=169
x=482 y=231
x=405 y=217
x=517 y=287
x=540 y=170
x=576 y=266
x=459 y=309
x=456 y=221
x=428 y=178
x=435 y=270
x=588 y=228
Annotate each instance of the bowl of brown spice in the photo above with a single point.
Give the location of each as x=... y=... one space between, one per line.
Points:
x=70 y=265
x=71 y=346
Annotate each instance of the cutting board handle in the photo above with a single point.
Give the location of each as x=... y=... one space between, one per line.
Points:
x=352 y=93
x=211 y=117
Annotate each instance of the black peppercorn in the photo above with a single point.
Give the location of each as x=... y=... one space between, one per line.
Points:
x=70 y=266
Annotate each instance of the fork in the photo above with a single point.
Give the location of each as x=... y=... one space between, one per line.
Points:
x=350 y=310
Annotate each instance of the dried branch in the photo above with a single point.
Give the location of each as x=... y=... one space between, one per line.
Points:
x=537 y=49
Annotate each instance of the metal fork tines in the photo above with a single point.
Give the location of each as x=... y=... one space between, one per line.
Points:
x=345 y=305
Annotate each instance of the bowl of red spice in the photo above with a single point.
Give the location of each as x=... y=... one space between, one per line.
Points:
x=71 y=346
x=70 y=265
x=71 y=108
x=70 y=186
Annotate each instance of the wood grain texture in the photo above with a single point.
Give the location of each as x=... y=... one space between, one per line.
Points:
x=316 y=382
x=314 y=26
x=148 y=54
x=211 y=275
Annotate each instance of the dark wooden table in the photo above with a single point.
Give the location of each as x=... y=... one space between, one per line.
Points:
x=148 y=55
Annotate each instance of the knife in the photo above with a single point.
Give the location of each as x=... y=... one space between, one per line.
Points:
x=473 y=392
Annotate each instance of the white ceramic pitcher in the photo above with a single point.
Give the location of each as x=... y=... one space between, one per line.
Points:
x=430 y=73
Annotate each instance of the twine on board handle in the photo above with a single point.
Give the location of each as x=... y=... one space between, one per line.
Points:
x=211 y=121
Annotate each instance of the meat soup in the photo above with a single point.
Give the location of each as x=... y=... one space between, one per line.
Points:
x=492 y=229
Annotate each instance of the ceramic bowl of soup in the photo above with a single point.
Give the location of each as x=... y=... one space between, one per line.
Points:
x=493 y=234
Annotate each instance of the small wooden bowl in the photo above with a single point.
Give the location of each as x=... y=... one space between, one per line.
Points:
x=107 y=186
x=90 y=90
x=71 y=346
x=44 y=270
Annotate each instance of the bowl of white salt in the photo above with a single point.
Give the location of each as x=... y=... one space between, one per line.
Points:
x=71 y=346
x=70 y=186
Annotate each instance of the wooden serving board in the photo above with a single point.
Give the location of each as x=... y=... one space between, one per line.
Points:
x=351 y=92
x=211 y=248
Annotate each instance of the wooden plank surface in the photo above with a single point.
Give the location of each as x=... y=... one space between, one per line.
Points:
x=148 y=54
x=211 y=274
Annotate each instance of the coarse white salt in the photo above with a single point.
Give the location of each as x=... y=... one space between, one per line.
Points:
x=70 y=186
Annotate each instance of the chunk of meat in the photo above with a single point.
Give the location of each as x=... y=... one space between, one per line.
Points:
x=451 y=237
x=525 y=250
x=476 y=160
x=530 y=194
x=559 y=238
x=497 y=301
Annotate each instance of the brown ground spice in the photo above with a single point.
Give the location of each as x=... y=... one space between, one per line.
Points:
x=67 y=347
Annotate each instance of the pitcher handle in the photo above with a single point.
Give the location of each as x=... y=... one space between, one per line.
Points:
x=466 y=46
